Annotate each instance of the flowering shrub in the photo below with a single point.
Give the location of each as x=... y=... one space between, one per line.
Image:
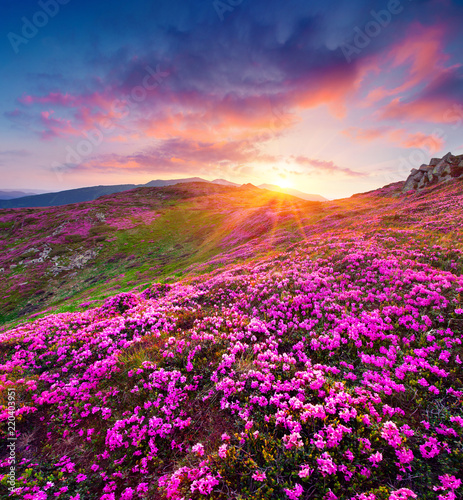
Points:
x=332 y=370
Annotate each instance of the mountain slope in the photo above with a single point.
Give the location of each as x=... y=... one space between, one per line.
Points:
x=55 y=255
x=324 y=364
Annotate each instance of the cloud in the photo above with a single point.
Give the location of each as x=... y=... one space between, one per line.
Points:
x=183 y=155
x=441 y=101
x=323 y=167
x=399 y=137
x=15 y=152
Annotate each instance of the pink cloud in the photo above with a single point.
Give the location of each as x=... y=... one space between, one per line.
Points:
x=419 y=54
x=324 y=166
x=398 y=137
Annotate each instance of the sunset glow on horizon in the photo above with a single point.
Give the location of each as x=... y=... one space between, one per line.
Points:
x=326 y=97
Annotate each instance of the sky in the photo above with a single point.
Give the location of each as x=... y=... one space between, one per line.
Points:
x=329 y=97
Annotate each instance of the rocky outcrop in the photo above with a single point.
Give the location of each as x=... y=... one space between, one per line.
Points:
x=439 y=170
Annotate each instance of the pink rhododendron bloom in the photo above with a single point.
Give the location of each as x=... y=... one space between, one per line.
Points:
x=127 y=494
x=430 y=448
x=293 y=440
x=305 y=471
x=402 y=494
x=198 y=449
x=326 y=464
x=294 y=493
x=259 y=476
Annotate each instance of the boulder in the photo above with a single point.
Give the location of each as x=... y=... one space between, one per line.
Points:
x=425 y=168
x=449 y=158
x=422 y=182
x=439 y=170
x=409 y=184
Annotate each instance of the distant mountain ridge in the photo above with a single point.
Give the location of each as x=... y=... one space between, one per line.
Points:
x=9 y=194
x=91 y=193
x=293 y=192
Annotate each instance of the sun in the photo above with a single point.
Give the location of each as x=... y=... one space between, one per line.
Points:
x=284 y=183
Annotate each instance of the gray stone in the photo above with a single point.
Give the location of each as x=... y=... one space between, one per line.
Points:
x=448 y=157
x=422 y=182
x=460 y=164
x=414 y=171
x=434 y=161
x=425 y=168
x=430 y=176
x=409 y=184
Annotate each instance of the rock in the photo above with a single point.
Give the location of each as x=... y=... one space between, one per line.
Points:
x=409 y=185
x=449 y=158
x=422 y=182
x=439 y=170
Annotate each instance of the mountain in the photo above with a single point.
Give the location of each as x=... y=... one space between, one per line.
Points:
x=293 y=192
x=216 y=342
x=9 y=194
x=65 y=197
x=224 y=182
x=93 y=192
x=171 y=182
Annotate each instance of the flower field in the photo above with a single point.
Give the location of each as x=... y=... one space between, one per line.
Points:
x=329 y=370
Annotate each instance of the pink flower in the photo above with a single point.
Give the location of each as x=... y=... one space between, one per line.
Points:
x=391 y=434
x=295 y=493
x=142 y=488
x=305 y=471
x=430 y=448
x=223 y=451
x=293 y=441
x=127 y=494
x=326 y=464
x=404 y=455
x=375 y=458
x=402 y=494
x=259 y=476
x=80 y=478
x=198 y=449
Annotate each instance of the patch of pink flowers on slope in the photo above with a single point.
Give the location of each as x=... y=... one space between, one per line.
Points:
x=318 y=358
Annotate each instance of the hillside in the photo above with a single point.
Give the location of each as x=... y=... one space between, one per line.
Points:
x=276 y=348
x=86 y=251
